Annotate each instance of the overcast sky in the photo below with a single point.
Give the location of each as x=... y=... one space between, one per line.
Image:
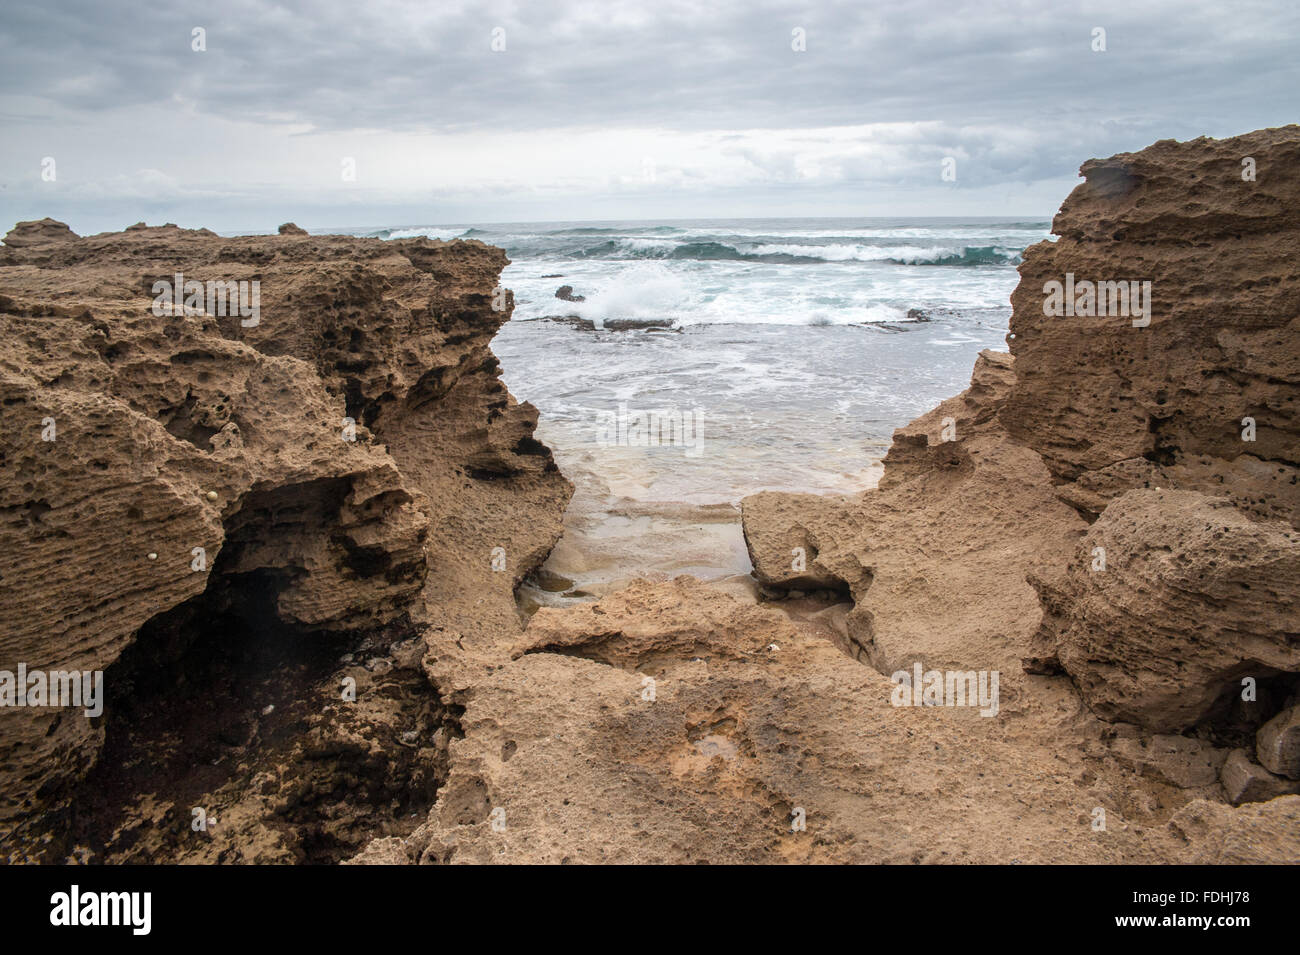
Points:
x=642 y=109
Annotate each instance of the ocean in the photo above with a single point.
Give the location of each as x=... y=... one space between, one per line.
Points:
x=790 y=351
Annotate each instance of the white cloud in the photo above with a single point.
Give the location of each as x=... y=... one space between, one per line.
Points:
x=588 y=97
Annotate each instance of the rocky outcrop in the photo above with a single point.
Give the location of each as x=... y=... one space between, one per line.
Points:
x=936 y=558
x=1246 y=781
x=1104 y=501
x=673 y=722
x=1180 y=437
x=1184 y=589
x=305 y=466
x=1277 y=744
x=39 y=232
x=1172 y=600
x=1222 y=253
x=345 y=675
x=1211 y=833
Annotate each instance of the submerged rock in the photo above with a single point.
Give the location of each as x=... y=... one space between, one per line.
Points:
x=616 y=324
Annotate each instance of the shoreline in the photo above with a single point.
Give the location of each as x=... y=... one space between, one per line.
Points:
x=1087 y=530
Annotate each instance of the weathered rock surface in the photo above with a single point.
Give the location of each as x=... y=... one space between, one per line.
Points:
x=1180 y=439
x=1179 y=760
x=1211 y=833
x=1223 y=257
x=139 y=431
x=1277 y=745
x=1194 y=596
x=39 y=232
x=1090 y=503
x=785 y=546
x=675 y=722
x=1246 y=781
x=672 y=721
x=936 y=558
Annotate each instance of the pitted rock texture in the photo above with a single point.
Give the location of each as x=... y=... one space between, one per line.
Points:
x=1092 y=504
x=1211 y=833
x=1223 y=256
x=936 y=558
x=1149 y=422
x=1244 y=780
x=1171 y=599
x=672 y=722
x=1180 y=439
x=1277 y=744
x=137 y=432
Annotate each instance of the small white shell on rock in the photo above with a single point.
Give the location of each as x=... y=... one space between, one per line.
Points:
x=153 y=556
x=212 y=495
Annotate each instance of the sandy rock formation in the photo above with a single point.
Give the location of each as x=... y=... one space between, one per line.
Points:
x=1277 y=744
x=1212 y=833
x=1094 y=502
x=1171 y=600
x=1223 y=256
x=1200 y=583
x=1200 y=406
x=675 y=722
x=672 y=721
x=936 y=558
x=1246 y=781
x=39 y=232
x=141 y=429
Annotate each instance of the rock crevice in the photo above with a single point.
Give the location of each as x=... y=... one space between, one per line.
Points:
x=160 y=461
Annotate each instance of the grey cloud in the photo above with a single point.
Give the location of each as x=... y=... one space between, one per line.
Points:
x=1012 y=89
x=722 y=64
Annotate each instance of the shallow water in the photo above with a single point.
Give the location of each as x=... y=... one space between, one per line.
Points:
x=809 y=409
x=789 y=363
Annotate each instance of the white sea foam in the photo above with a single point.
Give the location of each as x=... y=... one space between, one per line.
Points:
x=646 y=290
x=756 y=272
x=427 y=232
x=860 y=253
